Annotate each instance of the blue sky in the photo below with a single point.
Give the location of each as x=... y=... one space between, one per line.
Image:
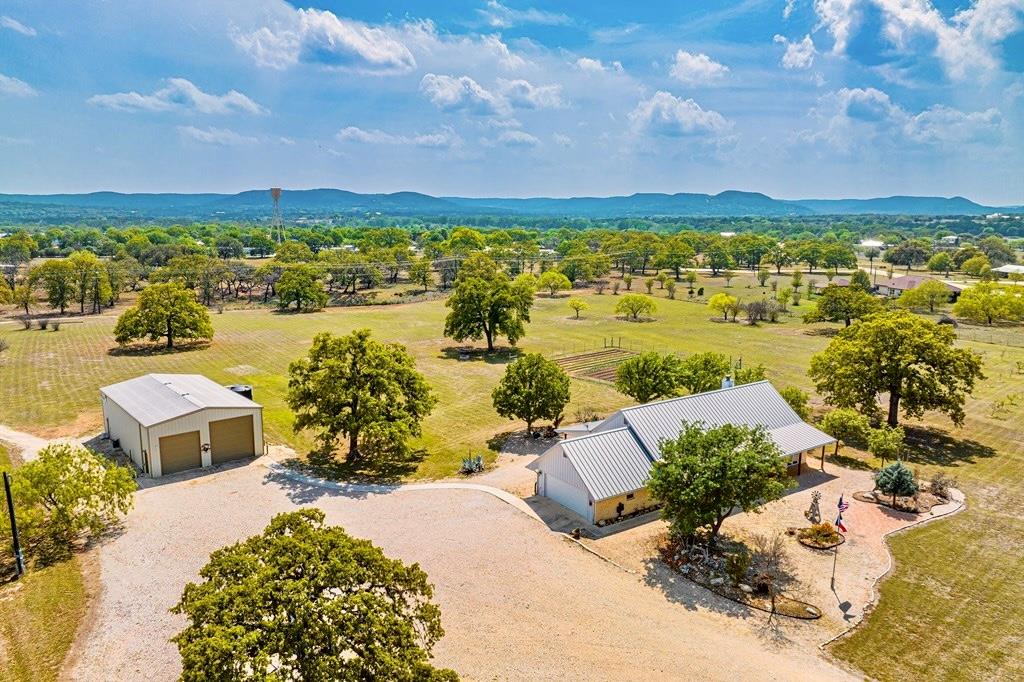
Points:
x=797 y=98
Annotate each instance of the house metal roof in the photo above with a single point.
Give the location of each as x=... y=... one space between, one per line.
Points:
x=617 y=458
x=756 y=404
x=610 y=463
x=155 y=398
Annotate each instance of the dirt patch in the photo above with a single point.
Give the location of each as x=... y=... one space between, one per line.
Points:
x=88 y=422
x=242 y=370
x=922 y=503
x=90 y=566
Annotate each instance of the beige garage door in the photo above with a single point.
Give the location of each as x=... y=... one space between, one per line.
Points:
x=180 y=452
x=231 y=439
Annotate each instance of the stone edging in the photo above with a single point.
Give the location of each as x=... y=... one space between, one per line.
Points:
x=875 y=593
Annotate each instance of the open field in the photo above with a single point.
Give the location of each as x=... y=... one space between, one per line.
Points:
x=956 y=592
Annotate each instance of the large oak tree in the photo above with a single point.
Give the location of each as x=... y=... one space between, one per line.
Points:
x=164 y=310
x=487 y=303
x=909 y=360
x=357 y=387
x=706 y=473
x=307 y=601
x=533 y=388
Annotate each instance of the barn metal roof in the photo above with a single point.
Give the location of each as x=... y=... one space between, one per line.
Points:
x=756 y=404
x=156 y=398
x=610 y=463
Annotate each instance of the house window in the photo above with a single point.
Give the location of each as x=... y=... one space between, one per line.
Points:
x=630 y=496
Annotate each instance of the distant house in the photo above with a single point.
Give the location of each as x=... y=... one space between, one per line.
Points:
x=169 y=423
x=1009 y=269
x=872 y=244
x=949 y=240
x=894 y=288
x=819 y=285
x=604 y=474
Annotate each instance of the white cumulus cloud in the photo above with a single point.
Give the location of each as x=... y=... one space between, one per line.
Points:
x=179 y=94
x=9 y=85
x=591 y=65
x=665 y=114
x=966 y=43
x=696 y=69
x=462 y=93
x=223 y=137
x=854 y=116
x=798 y=55
x=524 y=95
x=323 y=38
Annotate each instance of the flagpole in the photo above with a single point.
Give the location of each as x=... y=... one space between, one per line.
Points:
x=835 y=559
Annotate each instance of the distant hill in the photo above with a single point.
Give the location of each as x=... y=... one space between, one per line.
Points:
x=731 y=203
x=899 y=205
x=320 y=203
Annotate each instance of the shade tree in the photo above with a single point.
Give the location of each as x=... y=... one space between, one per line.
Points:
x=168 y=311
x=356 y=387
x=910 y=361
x=705 y=474
x=532 y=388
x=307 y=601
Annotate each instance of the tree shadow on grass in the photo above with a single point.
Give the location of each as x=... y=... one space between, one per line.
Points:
x=147 y=349
x=499 y=356
x=385 y=468
x=848 y=462
x=930 y=445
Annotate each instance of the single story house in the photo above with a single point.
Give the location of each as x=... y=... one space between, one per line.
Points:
x=603 y=474
x=169 y=423
x=819 y=285
x=894 y=288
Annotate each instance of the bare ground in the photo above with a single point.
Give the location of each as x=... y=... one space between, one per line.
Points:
x=517 y=601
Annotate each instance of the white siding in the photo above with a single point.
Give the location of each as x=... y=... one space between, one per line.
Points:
x=121 y=426
x=558 y=480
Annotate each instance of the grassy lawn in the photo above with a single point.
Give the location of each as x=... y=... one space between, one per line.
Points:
x=956 y=594
x=39 y=614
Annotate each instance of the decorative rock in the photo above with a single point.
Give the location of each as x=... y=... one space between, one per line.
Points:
x=718 y=581
x=813 y=612
x=747 y=588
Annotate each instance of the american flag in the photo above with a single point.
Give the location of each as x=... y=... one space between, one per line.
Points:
x=843 y=506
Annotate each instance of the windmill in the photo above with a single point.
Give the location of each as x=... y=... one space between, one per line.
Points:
x=276 y=223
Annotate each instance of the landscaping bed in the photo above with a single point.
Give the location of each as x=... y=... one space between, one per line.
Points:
x=819 y=536
x=712 y=574
x=921 y=503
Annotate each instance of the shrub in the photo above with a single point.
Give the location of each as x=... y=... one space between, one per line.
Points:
x=896 y=480
x=43 y=322
x=55 y=325
x=26 y=322
x=737 y=564
x=615 y=287
x=4 y=345
x=821 y=534
x=940 y=485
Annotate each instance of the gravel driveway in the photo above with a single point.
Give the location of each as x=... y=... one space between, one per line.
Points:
x=518 y=602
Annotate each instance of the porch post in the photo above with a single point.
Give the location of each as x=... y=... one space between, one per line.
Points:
x=823 y=458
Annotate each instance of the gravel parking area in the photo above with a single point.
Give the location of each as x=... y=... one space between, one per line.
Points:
x=518 y=602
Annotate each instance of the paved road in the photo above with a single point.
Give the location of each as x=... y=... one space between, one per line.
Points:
x=518 y=602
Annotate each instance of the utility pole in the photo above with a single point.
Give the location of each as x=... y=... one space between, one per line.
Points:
x=19 y=560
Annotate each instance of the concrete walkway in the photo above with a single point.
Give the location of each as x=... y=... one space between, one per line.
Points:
x=374 y=488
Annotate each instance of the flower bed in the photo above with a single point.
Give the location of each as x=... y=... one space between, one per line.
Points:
x=921 y=503
x=820 y=536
